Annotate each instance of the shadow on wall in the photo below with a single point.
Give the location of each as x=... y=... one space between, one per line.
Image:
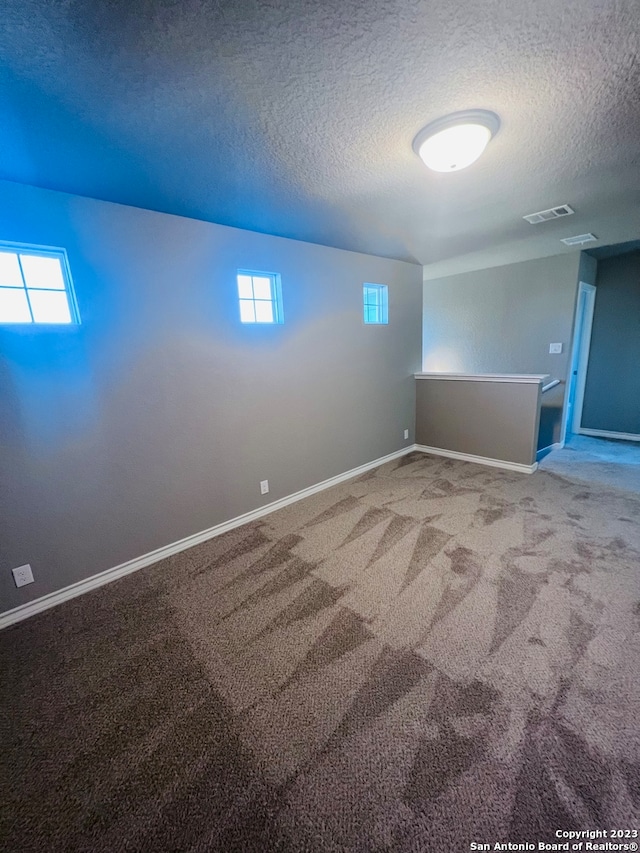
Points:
x=612 y=389
x=550 y=429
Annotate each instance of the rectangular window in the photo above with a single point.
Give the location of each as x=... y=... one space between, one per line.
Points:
x=260 y=296
x=35 y=286
x=376 y=303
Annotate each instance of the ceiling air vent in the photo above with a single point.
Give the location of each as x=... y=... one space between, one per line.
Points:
x=551 y=213
x=579 y=239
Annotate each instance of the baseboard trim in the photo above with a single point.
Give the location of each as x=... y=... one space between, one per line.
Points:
x=45 y=602
x=481 y=460
x=604 y=433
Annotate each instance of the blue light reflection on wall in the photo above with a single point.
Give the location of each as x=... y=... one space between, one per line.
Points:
x=46 y=385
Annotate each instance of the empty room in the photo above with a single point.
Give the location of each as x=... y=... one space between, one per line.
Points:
x=319 y=426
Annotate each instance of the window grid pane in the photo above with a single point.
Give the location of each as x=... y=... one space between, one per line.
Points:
x=10 y=274
x=49 y=306
x=371 y=314
x=375 y=301
x=262 y=288
x=259 y=296
x=264 y=311
x=245 y=287
x=44 y=273
x=14 y=306
x=247 y=311
x=48 y=299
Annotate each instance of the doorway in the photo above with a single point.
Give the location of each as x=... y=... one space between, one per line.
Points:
x=585 y=305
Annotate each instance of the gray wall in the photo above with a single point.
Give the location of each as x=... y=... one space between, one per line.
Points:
x=158 y=416
x=498 y=420
x=612 y=390
x=502 y=320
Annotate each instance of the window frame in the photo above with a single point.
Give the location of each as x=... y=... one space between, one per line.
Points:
x=38 y=251
x=275 y=301
x=381 y=303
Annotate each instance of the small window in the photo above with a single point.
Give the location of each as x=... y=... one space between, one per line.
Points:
x=260 y=297
x=35 y=286
x=376 y=303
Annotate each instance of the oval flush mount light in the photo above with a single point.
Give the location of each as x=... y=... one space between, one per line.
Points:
x=456 y=141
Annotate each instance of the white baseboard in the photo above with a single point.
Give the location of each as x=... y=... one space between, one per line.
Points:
x=481 y=460
x=603 y=433
x=30 y=608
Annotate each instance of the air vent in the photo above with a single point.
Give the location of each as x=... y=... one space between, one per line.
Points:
x=546 y=215
x=579 y=239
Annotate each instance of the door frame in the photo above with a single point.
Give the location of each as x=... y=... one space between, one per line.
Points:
x=583 y=324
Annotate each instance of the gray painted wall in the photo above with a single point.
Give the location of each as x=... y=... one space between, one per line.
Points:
x=502 y=320
x=498 y=420
x=159 y=415
x=612 y=390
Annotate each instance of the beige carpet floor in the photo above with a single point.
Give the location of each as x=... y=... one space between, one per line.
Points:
x=431 y=655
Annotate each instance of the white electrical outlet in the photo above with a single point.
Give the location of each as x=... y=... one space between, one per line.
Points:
x=555 y=348
x=22 y=575
x=406 y=433
x=264 y=487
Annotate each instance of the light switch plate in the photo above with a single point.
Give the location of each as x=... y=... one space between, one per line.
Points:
x=555 y=348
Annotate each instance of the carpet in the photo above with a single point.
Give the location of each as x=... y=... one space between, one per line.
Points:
x=432 y=655
x=598 y=461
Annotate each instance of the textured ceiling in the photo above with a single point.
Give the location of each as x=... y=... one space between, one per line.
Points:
x=296 y=117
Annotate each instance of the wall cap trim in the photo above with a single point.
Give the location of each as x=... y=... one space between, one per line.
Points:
x=523 y=378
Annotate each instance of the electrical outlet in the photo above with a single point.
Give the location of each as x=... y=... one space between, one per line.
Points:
x=264 y=487
x=555 y=348
x=22 y=575
x=406 y=433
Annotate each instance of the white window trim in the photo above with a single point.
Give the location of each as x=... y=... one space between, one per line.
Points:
x=276 y=297
x=383 y=307
x=44 y=252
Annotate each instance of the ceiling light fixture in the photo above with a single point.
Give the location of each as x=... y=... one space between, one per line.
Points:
x=456 y=141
